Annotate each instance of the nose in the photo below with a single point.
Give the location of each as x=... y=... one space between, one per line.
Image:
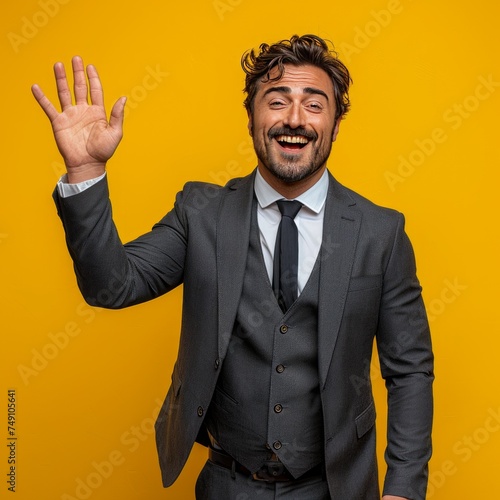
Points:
x=295 y=116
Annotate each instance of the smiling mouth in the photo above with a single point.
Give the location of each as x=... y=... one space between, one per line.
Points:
x=292 y=142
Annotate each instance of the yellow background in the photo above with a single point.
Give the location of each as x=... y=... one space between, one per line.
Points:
x=422 y=137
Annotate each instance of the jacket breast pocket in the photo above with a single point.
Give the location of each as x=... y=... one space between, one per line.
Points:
x=360 y=283
x=362 y=304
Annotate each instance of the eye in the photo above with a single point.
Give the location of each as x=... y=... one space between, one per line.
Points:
x=276 y=104
x=315 y=106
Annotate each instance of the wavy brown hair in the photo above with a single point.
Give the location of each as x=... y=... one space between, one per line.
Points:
x=298 y=51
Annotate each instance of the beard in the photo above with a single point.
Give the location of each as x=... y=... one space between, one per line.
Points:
x=292 y=168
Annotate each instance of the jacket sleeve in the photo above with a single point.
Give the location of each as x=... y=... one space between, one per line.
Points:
x=406 y=361
x=113 y=275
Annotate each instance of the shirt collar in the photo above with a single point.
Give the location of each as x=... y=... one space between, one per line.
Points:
x=314 y=198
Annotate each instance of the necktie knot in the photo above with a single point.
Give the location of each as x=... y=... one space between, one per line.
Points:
x=289 y=208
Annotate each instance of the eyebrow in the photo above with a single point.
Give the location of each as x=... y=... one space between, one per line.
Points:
x=288 y=90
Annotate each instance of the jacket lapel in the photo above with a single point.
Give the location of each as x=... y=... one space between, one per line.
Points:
x=340 y=234
x=233 y=234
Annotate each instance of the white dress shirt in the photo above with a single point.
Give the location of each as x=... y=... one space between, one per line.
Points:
x=309 y=220
x=66 y=190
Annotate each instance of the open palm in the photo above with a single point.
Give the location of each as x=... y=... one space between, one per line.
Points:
x=85 y=138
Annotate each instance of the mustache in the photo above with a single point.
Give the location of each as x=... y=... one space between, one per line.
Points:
x=274 y=132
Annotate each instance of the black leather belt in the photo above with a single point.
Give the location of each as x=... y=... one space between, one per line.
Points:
x=272 y=471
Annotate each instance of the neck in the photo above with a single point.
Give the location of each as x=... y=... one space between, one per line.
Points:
x=291 y=190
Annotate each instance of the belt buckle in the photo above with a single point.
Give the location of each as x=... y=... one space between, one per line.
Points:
x=271 y=472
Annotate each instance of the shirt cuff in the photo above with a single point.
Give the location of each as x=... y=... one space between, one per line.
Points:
x=66 y=190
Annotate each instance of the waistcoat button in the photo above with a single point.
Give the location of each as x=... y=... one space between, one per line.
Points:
x=280 y=368
x=200 y=411
x=284 y=328
x=277 y=445
x=278 y=408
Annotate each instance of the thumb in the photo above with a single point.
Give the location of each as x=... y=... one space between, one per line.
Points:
x=117 y=115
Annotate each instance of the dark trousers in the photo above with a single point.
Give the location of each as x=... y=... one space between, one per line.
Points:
x=217 y=483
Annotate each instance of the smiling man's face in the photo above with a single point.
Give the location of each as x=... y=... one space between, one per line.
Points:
x=293 y=125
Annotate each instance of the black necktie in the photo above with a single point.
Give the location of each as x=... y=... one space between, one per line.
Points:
x=286 y=255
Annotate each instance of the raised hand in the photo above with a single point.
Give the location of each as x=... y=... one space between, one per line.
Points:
x=85 y=138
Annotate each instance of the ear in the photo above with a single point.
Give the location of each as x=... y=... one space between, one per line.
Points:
x=336 y=129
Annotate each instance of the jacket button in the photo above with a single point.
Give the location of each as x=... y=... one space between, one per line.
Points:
x=280 y=368
x=278 y=408
x=277 y=445
x=284 y=328
x=200 y=411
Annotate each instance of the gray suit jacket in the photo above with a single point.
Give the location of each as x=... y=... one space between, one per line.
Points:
x=368 y=290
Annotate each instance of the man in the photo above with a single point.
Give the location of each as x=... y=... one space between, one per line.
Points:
x=271 y=373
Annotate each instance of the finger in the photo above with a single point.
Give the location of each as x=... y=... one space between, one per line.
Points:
x=80 y=81
x=62 y=85
x=117 y=115
x=96 y=92
x=44 y=102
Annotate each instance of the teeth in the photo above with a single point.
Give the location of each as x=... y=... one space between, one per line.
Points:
x=292 y=139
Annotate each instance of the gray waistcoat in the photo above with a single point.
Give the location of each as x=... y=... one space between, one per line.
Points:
x=267 y=397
